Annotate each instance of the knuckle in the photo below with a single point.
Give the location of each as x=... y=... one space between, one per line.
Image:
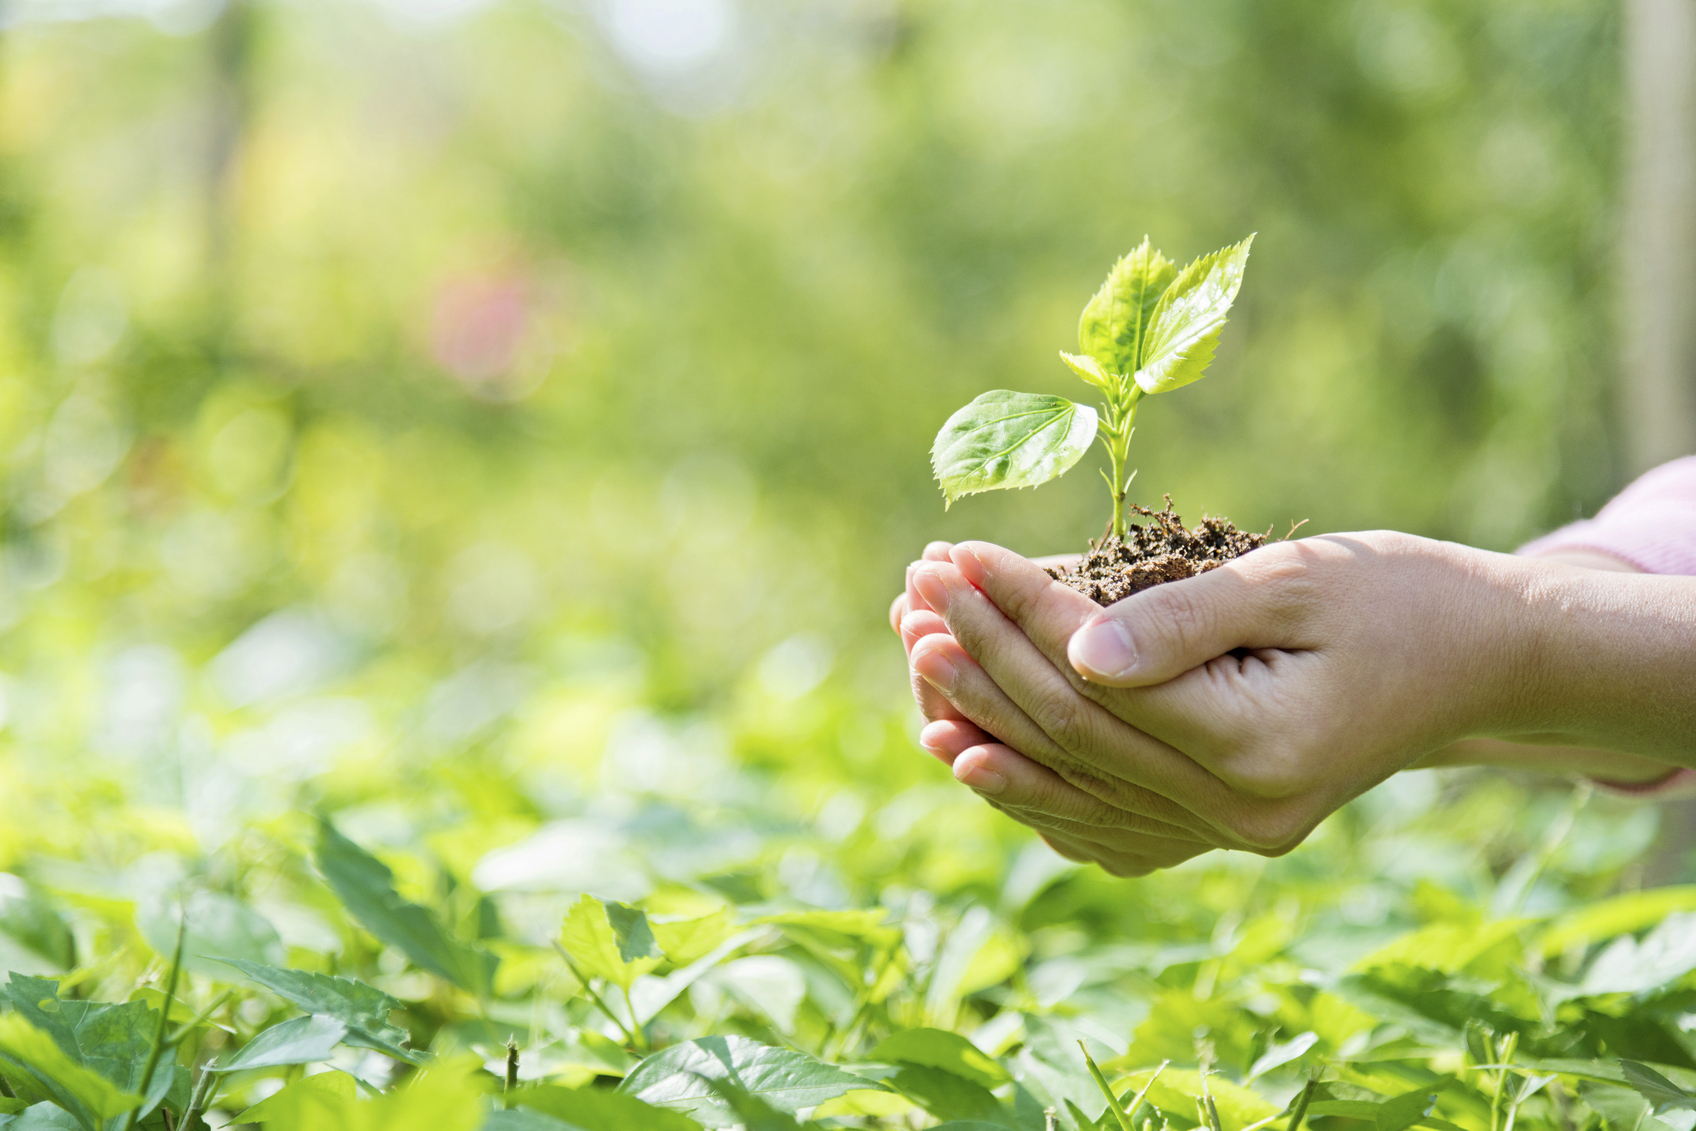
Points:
x=1184 y=616
x=1060 y=715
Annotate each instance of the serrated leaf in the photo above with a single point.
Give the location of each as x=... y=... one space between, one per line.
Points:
x=597 y=1109
x=1116 y=321
x=678 y=1078
x=1185 y=326
x=87 y=1094
x=630 y=927
x=323 y=1099
x=939 y=1048
x=365 y=886
x=111 y=1040
x=304 y=1040
x=363 y=1009
x=1005 y=439
x=597 y=947
x=1662 y=1094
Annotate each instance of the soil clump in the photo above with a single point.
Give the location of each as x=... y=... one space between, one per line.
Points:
x=1158 y=551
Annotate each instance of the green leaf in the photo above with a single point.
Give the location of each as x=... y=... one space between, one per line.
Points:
x=1116 y=321
x=1005 y=439
x=752 y=1113
x=938 y=1048
x=84 y=1092
x=689 y=940
x=1629 y=966
x=946 y=1095
x=598 y=947
x=219 y=927
x=1403 y=1111
x=1281 y=1054
x=112 y=1040
x=305 y=1040
x=1662 y=1093
x=326 y=1096
x=597 y=1109
x=1186 y=323
x=364 y=1010
x=679 y=1078
x=1608 y=918
x=43 y=1117
x=365 y=885
x=1088 y=368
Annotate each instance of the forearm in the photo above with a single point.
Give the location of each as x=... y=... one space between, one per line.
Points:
x=1606 y=662
x=1608 y=766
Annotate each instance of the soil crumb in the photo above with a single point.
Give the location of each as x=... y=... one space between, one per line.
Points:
x=1158 y=551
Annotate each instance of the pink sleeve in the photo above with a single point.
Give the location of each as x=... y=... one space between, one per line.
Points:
x=1651 y=524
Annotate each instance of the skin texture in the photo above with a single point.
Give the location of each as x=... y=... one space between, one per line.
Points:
x=1239 y=708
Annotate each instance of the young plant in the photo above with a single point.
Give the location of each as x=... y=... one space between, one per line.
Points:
x=1151 y=328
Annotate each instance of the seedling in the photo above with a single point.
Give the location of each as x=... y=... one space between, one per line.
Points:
x=1151 y=328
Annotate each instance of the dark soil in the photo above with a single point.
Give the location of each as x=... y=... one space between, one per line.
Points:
x=1158 y=551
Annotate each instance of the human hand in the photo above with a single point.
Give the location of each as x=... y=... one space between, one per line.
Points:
x=1235 y=709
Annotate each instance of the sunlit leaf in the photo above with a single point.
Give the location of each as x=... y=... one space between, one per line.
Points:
x=364 y=1010
x=1116 y=320
x=79 y=1089
x=1005 y=439
x=787 y=1080
x=946 y=1095
x=304 y=1040
x=1185 y=326
x=365 y=885
x=686 y=940
x=597 y=946
x=938 y=1048
x=325 y=1097
x=1662 y=1093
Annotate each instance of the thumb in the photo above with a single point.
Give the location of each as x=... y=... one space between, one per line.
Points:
x=1164 y=631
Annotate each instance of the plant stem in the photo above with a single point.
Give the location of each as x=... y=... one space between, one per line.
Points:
x=1300 y=1112
x=200 y=1096
x=1119 y=1114
x=1118 y=426
x=158 y=1047
x=596 y=998
x=511 y=1074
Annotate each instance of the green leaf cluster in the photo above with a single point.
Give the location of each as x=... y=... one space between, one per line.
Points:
x=1151 y=328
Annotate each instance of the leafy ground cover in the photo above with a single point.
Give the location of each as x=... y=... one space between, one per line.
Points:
x=896 y=961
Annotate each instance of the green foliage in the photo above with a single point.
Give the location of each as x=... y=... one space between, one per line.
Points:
x=1150 y=329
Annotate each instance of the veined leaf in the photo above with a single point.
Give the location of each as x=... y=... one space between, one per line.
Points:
x=81 y=1090
x=366 y=887
x=1187 y=321
x=1662 y=1093
x=1006 y=439
x=679 y=1078
x=363 y=1009
x=946 y=1095
x=110 y=1040
x=305 y=1040
x=598 y=946
x=1115 y=324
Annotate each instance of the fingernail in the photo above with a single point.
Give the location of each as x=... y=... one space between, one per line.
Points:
x=931 y=588
x=980 y=778
x=971 y=565
x=937 y=672
x=1102 y=649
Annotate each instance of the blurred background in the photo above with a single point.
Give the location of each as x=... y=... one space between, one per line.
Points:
x=427 y=407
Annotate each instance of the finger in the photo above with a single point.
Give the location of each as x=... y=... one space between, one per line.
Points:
x=919 y=624
x=1032 y=706
x=1046 y=610
x=897 y=610
x=934 y=552
x=1036 y=796
x=937 y=551
x=1258 y=601
x=947 y=738
x=933 y=704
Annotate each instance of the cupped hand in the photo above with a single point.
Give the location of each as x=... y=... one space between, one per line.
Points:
x=1235 y=709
